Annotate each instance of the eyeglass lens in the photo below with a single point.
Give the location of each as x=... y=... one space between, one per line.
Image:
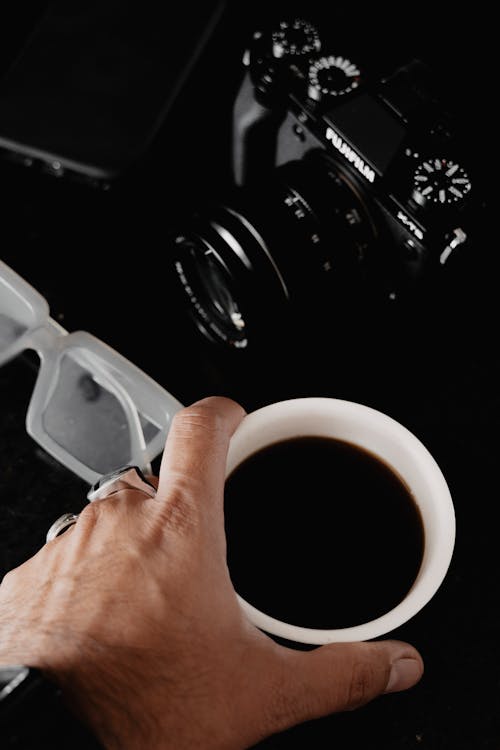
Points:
x=87 y=420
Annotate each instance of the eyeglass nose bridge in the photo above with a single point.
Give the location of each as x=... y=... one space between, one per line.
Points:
x=46 y=338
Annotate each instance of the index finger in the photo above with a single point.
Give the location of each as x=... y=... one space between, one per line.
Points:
x=196 y=449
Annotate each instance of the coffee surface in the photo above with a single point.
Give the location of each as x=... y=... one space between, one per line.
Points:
x=321 y=533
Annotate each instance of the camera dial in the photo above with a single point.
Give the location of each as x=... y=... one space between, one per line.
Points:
x=332 y=76
x=440 y=181
x=272 y=52
x=297 y=37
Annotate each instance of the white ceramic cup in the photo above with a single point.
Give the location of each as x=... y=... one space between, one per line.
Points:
x=397 y=447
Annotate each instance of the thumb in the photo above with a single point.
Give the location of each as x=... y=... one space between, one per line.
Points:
x=343 y=676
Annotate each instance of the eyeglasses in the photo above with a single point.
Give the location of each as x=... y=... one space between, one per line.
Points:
x=91 y=408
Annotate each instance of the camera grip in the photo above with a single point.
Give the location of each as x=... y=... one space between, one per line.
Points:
x=255 y=129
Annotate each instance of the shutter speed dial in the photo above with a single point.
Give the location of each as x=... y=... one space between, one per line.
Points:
x=295 y=38
x=440 y=181
x=332 y=76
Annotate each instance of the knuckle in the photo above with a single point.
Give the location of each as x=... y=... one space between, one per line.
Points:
x=9 y=579
x=199 y=417
x=359 y=687
x=179 y=511
x=117 y=508
x=94 y=513
x=89 y=515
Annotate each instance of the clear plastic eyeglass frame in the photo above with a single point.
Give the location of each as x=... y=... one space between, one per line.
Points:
x=91 y=409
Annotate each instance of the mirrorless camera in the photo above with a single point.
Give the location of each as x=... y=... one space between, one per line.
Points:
x=352 y=187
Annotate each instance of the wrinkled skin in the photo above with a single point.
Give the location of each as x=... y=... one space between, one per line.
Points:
x=133 y=613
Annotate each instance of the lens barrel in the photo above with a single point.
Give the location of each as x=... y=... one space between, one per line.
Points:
x=300 y=239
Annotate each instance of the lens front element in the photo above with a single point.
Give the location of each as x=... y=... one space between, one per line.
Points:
x=210 y=288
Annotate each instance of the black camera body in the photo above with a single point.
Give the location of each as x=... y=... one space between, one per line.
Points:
x=351 y=183
x=388 y=138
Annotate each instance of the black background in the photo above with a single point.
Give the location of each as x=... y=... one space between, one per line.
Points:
x=101 y=260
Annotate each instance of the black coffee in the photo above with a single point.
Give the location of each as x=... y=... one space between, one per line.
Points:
x=321 y=533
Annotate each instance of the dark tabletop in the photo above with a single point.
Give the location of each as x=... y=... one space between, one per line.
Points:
x=434 y=365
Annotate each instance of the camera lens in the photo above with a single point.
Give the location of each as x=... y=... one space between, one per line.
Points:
x=300 y=239
x=218 y=291
x=210 y=289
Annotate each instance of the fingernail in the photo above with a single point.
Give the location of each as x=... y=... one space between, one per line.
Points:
x=404 y=674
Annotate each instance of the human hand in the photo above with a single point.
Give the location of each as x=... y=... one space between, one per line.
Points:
x=133 y=613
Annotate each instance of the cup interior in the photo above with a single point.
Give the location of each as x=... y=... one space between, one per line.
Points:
x=397 y=447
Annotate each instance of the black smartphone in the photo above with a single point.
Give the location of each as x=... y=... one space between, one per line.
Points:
x=96 y=79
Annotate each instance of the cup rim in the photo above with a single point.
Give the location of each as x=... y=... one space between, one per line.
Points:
x=431 y=574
